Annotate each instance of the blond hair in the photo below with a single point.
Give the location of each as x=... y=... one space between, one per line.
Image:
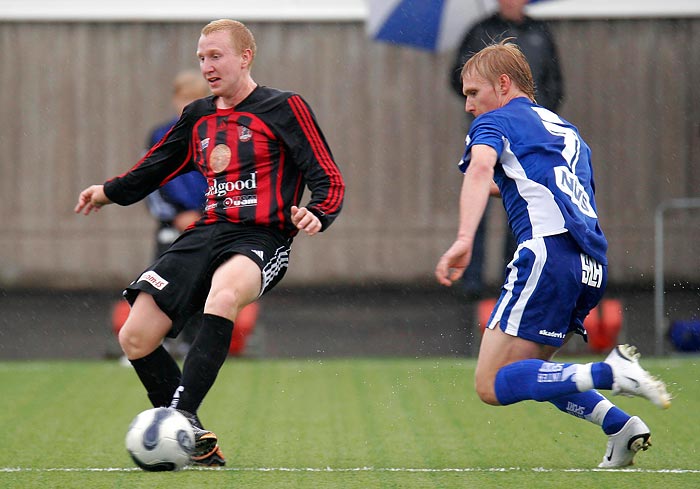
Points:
x=241 y=37
x=504 y=58
x=190 y=84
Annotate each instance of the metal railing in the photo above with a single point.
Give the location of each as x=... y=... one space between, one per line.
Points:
x=659 y=292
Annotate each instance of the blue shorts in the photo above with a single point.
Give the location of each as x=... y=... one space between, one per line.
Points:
x=550 y=288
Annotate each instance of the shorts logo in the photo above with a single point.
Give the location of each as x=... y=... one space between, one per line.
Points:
x=551 y=334
x=244 y=134
x=219 y=158
x=154 y=279
x=591 y=271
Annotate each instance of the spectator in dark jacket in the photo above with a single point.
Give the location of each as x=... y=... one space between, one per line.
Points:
x=537 y=44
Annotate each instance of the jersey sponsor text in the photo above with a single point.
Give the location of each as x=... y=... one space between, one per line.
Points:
x=221 y=188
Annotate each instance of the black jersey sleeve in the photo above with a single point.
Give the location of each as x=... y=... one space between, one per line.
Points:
x=170 y=157
x=310 y=152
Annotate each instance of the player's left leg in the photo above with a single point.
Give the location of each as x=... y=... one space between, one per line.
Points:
x=543 y=380
x=235 y=284
x=627 y=434
x=544 y=301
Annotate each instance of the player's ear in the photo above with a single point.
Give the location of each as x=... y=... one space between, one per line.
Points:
x=504 y=83
x=246 y=57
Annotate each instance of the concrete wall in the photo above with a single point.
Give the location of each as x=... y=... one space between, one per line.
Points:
x=78 y=99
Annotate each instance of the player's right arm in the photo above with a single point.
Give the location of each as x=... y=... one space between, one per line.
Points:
x=92 y=198
x=170 y=157
x=476 y=188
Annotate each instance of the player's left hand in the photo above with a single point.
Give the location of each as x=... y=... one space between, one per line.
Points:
x=305 y=220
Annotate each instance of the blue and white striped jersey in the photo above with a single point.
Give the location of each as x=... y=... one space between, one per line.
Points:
x=544 y=174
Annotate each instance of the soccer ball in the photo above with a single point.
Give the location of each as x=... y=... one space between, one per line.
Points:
x=160 y=439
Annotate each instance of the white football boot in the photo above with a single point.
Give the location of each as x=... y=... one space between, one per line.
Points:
x=630 y=379
x=624 y=445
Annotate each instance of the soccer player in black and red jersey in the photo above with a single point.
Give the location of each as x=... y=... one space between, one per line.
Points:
x=259 y=148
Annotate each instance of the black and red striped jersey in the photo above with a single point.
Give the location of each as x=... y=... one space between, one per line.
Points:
x=257 y=158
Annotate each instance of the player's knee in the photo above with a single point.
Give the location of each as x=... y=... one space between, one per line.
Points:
x=128 y=343
x=224 y=303
x=135 y=345
x=486 y=392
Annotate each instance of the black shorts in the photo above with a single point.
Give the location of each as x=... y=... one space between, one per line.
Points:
x=180 y=278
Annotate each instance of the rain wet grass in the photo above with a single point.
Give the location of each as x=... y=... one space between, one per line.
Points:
x=341 y=423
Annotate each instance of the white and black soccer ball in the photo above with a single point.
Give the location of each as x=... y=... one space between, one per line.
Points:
x=160 y=439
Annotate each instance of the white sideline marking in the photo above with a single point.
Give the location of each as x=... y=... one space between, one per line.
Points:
x=355 y=469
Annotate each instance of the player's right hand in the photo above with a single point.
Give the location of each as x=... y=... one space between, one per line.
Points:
x=92 y=198
x=453 y=262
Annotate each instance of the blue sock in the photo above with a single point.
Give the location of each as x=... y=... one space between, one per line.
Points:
x=594 y=407
x=615 y=420
x=535 y=380
x=538 y=380
x=602 y=375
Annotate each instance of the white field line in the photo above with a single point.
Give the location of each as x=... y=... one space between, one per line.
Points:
x=355 y=469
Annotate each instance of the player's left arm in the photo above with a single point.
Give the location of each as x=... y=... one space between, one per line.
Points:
x=311 y=153
x=305 y=220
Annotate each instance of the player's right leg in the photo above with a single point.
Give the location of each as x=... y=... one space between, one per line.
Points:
x=540 y=380
x=144 y=328
x=630 y=379
x=498 y=350
x=140 y=339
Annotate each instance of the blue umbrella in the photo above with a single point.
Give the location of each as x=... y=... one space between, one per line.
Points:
x=433 y=25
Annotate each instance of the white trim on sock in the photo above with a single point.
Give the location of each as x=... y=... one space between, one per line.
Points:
x=583 y=377
x=599 y=411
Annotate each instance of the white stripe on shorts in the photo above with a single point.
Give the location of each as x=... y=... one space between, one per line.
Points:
x=279 y=261
x=539 y=249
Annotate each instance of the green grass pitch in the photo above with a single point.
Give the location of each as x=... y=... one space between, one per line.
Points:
x=345 y=423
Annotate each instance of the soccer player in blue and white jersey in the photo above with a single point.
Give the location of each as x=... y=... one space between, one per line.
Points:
x=539 y=165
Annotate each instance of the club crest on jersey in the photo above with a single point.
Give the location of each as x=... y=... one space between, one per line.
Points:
x=219 y=158
x=204 y=144
x=244 y=134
